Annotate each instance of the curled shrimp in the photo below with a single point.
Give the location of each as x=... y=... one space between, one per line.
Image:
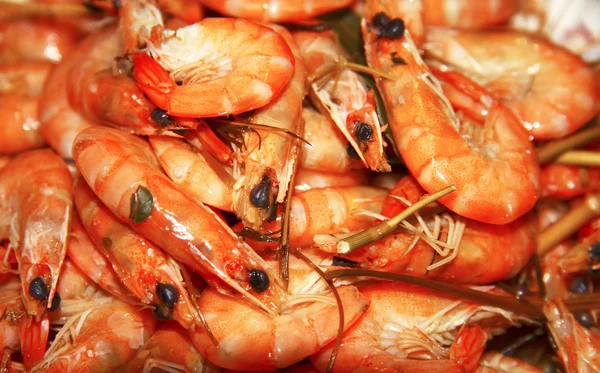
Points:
x=537 y=85
x=35 y=191
x=493 y=168
x=267 y=158
x=144 y=198
x=99 y=339
x=407 y=328
x=275 y=11
x=344 y=96
x=236 y=66
x=151 y=276
x=249 y=338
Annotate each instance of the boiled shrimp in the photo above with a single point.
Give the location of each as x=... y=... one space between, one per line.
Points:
x=59 y=122
x=468 y=14
x=326 y=148
x=565 y=181
x=249 y=338
x=91 y=261
x=494 y=362
x=307 y=179
x=169 y=349
x=538 y=85
x=35 y=192
x=275 y=10
x=195 y=172
x=120 y=167
x=99 y=339
x=150 y=276
x=267 y=159
x=237 y=66
x=447 y=247
x=494 y=168
x=344 y=96
x=408 y=328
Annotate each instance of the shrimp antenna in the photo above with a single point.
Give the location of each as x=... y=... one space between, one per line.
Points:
x=258 y=236
x=243 y=127
x=195 y=293
x=338 y=300
x=321 y=77
x=386 y=227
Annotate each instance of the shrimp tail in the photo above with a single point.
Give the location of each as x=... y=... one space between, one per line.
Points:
x=152 y=79
x=468 y=347
x=34 y=338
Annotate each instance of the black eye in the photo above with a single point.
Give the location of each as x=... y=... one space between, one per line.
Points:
x=584 y=318
x=579 y=285
x=352 y=152
x=595 y=251
x=393 y=29
x=162 y=313
x=38 y=289
x=259 y=280
x=167 y=294
x=55 y=302
x=341 y=262
x=161 y=117
x=259 y=195
x=381 y=19
x=364 y=132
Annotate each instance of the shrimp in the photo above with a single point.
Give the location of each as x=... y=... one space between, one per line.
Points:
x=59 y=122
x=577 y=346
x=91 y=261
x=274 y=10
x=195 y=172
x=151 y=276
x=101 y=96
x=494 y=168
x=100 y=339
x=343 y=96
x=407 y=328
x=565 y=181
x=268 y=158
x=307 y=179
x=124 y=174
x=25 y=78
x=472 y=252
x=325 y=150
x=538 y=85
x=249 y=338
x=35 y=190
x=468 y=14
x=494 y=362
x=36 y=39
x=169 y=349
x=236 y=66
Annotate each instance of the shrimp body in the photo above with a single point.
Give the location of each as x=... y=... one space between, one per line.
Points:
x=275 y=11
x=565 y=181
x=494 y=168
x=20 y=130
x=494 y=362
x=307 y=179
x=468 y=14
x=100 y=339
x=267 y=162
x=236 y=66
x=343 y=96
x=249 y=338
x=141 y=266
x=551 y=90
x=35 y=190
x=119 y=166
x=408 y=329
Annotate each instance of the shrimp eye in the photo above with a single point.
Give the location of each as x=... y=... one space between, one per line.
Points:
x=55 y=302
x=259 y=280
x=579 y=285
x=167 y=294
x=161 y=117
x=38 y=288
x=162 y=313
x=364 y=132
x=341 y=262
x=393 y=29
x=259 y=195
x=352 y=152
x=380 y=19
x=584 y=318
x=595 y=251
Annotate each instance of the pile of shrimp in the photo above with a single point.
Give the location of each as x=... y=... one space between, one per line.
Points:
x=299 y=186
